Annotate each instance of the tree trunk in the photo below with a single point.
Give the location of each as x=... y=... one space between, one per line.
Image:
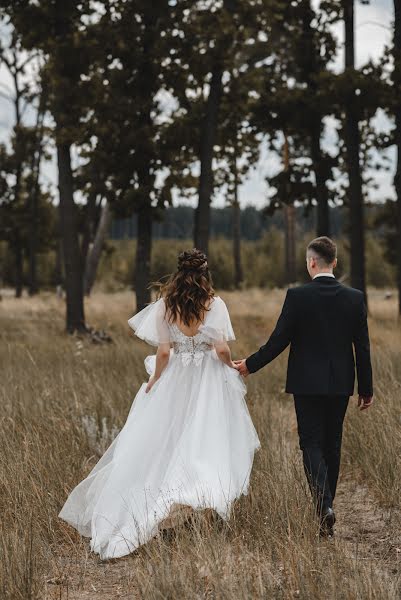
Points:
x=19 y=268
x=58 y=267
x=290 y=249
x=397 y=178
x=310 y=69
x=33 y=285
x=289 y=225
x=18 y=247
x=34 y=196
x=238 y=272
x=75 y=319
x=322 y=209
x=208 y=139
x=89 y=225
x=236 y=231
x=143 y=257
x=352 y=142
x=93 y=257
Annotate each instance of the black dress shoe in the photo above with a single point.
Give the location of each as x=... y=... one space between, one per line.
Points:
x=327 y=521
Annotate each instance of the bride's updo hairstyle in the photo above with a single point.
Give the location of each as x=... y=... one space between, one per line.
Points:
x=188 y=291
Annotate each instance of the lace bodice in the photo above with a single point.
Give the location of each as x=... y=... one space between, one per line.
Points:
x=151 y=325
x=190 y=348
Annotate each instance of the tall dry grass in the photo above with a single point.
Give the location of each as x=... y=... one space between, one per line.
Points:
x=64 y=399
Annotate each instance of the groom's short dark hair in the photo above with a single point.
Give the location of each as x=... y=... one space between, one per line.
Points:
x=325 y=248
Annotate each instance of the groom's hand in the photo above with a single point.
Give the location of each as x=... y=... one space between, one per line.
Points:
x=240 y=365
x=364 y=402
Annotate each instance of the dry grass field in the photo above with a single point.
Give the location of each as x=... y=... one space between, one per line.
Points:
x=63 y=399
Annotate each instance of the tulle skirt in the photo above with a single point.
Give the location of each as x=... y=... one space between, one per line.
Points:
x=189 y=441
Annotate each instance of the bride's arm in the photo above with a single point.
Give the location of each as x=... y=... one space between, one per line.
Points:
x=162 y=357
x=224 y=353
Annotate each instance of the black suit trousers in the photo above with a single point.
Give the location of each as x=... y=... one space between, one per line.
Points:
x=320 y=424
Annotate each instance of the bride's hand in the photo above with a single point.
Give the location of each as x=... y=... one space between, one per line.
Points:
x=150 y=384
x=240 y=365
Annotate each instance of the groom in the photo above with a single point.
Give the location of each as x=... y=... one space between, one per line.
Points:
x=324 y=322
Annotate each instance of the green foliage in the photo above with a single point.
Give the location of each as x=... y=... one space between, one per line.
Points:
x=16 y=183
x=263 y=262
x=127 y=85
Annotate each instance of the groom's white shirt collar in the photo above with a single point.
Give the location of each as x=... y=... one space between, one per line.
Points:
x=324 y=275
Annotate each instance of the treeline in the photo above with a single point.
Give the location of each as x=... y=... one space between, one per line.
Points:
x=262 y=260
x=262 y=249
x=177 y=222
x=143 y=101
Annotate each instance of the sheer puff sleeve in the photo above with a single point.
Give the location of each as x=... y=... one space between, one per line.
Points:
x=150 y=324
x=217 y=325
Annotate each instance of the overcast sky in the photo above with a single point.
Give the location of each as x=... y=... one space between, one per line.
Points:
x=373 y=32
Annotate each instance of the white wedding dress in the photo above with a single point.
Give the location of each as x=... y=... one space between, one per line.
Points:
x=189 y=441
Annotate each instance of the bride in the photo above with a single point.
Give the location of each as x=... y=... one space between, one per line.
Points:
x=188 y=440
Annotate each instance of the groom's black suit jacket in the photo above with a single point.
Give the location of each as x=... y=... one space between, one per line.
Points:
x=324 y=321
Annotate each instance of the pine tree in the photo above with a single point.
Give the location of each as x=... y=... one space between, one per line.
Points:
x=56 y=30
x=22 y=203
x=352 y=141
x=397 y=111
x=313 y=50
x=237 y=151
x=296 y=98
x=126 y=134
x=216 y=38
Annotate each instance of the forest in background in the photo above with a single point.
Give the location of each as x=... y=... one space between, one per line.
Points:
x=145 y=103
x=262 y=252
x=177 y=222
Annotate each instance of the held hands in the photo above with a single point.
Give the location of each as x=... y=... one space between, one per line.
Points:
x=240 y=365
x=364 y=402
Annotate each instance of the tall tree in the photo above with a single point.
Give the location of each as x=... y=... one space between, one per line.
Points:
x=11 y=56
x=37 y=155
x=134 y=48
x=295 y=96
x=217 y=54
x=15 y=216
x=23 y=203
x=352 y=143
x=397 y=111
x=237 y=151
x=66 y=73
x=236 y=227
x=216 y=37
x=94 y=253
x=57 y=29
x=289 y=222
x=146 y=172
x=206 y=153
x=314 y=48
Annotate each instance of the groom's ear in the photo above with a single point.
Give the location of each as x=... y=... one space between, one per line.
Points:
x=335 y=263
